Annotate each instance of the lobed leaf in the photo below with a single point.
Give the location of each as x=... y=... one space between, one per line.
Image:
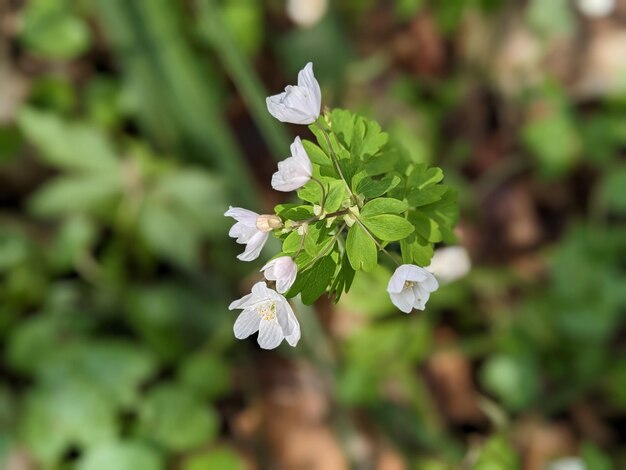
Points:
x=361 y=249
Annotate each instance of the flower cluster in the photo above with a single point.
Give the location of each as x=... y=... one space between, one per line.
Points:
x=361 y=196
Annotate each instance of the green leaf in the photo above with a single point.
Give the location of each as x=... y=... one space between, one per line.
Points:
x=446 y=213
x=90 y=194
x=246 y=22
x=511 y=378
x=336 y=196
x=295 y=212
x=371 y=188
x=613 y=189
x=15 y=248
x=196 y=195
x=71 y=146
x=222 y=458
x=554 y=19
x=425 y=226
x=51 y=29
x=316 y=239
x=160 y=225
x=72 y=240
x=316 y=154
x=311 y=192
x=594 y=458
x=422 y=176
x=388 y=227
x=361 y=249
x=35 y=339
x=428 y=195
x=367 y=138
x=343 y=125
x=318 y=278
x=115 y=367
x=416 y=250
x=343 y=279
x=174 y=417
x=292 y=242
x=127 y=455
x=207 y=375
x=384 y=205
x=368 y=296
x=79 y=413
x=497 y=454
x=554 y=141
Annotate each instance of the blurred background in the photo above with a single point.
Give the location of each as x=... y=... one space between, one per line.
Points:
x=128 y=127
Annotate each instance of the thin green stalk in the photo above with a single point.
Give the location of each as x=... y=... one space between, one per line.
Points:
x=323 y=193
x=380 y=247
x=318 y=217
x=243 y=75
x=333 y=156
x=326 y=249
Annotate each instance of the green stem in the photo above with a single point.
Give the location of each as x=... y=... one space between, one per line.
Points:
x=380 y=247
x=302 y=240
x=333 y=156
x=317 y=217
x=323 y=193
x=325 y=251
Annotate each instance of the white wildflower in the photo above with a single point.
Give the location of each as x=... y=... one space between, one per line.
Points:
x=596 y=8
x=298 y=104
x=283 y=270
x=306 y=13
x=269 y=313
x=252 y=230
x=295 y=171
x=450 y=263
x=410 y=287
x=567 y=463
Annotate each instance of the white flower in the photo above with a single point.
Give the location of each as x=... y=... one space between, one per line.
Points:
x=450 y=263
x=283 y=270
x=295 y=171
x=410 y=287
x=252 y=230
x=298 y=104
x=269 y=313
x=306 y=13
x=567 y=463
x=596 y=8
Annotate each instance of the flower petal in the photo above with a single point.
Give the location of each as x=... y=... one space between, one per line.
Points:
x=414 y=273
x=306 y=79
x=289 y=106
x=396 y=283
x=244 y=216
x=243 y=302
x=403 y=300
x=421 y=296
x=286 y=317
x=247 y=323
x=270 y=334
x=242 y=233
x=299 y=153
x=254 y=247
x=294 y=336
x=430 y=283
x=290 y=175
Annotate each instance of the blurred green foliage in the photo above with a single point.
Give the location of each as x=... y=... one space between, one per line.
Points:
x=116 y=273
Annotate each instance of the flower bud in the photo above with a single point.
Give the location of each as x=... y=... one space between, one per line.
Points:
x=283 y=270
x=268 y=222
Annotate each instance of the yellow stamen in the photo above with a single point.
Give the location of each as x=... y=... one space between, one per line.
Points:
x=267 y=311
